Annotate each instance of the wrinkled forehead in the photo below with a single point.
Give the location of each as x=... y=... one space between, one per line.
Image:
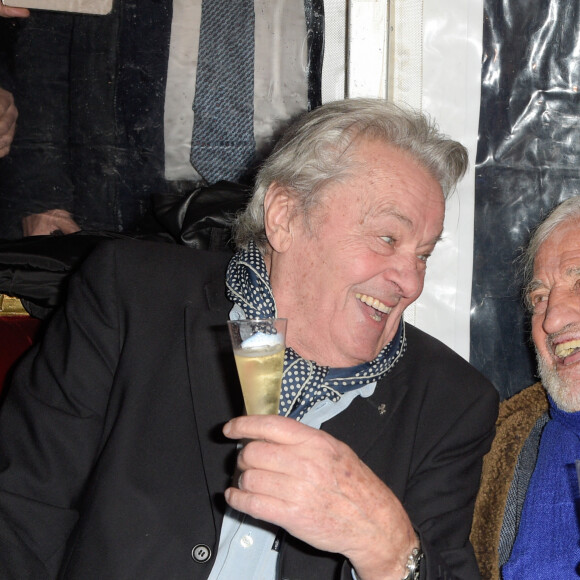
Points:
x=560 y=251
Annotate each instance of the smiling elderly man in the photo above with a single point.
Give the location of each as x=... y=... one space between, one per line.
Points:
x=526 y=523
x=112 y=461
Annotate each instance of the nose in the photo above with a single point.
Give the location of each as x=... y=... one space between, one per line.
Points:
x=407 y=272
x=563 y=309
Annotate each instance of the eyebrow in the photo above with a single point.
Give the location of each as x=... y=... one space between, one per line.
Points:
x=391 y=210
x=536 y=284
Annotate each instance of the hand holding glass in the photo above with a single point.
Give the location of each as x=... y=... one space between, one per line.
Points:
x=259 y=346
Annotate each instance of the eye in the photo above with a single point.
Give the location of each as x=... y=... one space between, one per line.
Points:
x=424 y=257
x=388 y=239
x=537 y=302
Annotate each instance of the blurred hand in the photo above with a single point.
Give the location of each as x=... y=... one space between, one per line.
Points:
x=316 y=488
x=49 y=222
x=8 y=116
x=11 y=12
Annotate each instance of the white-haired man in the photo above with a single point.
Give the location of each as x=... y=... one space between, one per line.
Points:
x=112 y=463
x=526 y=523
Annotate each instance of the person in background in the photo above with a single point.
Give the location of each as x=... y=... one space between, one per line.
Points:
x=108 y=106
x=112 y=461
x=8 y=110
x=13 y=12
x=8 y=116
x=526 y=517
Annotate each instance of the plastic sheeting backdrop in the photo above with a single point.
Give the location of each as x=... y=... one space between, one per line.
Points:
x=528 y=160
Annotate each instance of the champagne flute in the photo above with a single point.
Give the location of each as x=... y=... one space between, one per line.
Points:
x=259 y=346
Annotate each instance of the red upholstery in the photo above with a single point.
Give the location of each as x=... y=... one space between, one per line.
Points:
x=17 y=333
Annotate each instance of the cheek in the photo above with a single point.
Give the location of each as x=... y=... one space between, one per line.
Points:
x=365 y=265
x=538 y=334
x=420 y=282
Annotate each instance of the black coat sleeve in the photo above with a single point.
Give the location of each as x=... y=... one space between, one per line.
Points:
x=453 y=432
x=51 y=425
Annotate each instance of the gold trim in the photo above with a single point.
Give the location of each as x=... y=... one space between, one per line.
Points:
x=11 y=306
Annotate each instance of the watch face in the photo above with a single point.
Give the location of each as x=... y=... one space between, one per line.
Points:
x=414 y=564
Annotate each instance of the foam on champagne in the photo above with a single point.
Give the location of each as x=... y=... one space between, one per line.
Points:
x=260 y=363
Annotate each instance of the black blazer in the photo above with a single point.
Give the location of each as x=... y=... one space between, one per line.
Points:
x=112 y=462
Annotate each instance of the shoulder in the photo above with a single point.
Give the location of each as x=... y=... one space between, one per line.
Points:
x=441 y=386
x=523 y=409
x=418 y=340
x=429 y=357
x=144 y=259
x=516 y=419
x=137 y=271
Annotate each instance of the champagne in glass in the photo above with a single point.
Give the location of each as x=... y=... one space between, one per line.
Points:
x=259 y=346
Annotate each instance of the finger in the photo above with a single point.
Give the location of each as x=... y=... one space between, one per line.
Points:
x=7 y=107
x=314 y=520
x=315 y=461
x=267 y=456
x=279 y=485
x=261 y=506
x=6 y=132
x=269 y=428
x=13 y=12
x=8 y=119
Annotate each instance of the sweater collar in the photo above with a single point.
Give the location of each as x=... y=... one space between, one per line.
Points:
x=570 y=421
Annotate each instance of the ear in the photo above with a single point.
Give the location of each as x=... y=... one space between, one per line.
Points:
x=278 y=217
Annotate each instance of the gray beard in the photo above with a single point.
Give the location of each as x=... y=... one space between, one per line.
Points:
x=564 y=392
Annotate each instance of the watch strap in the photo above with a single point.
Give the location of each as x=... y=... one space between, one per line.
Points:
x=413 y=565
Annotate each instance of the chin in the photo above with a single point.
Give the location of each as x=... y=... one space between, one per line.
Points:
x=564 y=390
x=358 y=357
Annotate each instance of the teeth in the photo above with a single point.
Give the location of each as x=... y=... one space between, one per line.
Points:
x=374 y=303
x=566 y=348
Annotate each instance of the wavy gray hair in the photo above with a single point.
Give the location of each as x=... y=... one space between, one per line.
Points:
x=315 y=150
x=568 y=210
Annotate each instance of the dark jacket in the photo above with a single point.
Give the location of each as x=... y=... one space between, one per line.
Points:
x=518 y=418
x=112 y=462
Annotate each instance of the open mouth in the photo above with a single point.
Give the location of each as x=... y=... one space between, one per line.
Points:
x=566 y=349
x=379 y=308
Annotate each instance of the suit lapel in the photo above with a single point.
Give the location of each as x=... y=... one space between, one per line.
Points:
x=215 y=391
x=366 y=418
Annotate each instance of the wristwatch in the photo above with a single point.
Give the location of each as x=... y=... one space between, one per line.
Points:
x=413 y=564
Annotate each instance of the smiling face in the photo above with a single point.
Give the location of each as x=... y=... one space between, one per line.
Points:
x=555 y=298
x=344 y=282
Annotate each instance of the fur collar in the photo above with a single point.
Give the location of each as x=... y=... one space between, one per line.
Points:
x=517 y=416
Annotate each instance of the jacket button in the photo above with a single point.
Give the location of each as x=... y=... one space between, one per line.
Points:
x=201 y=553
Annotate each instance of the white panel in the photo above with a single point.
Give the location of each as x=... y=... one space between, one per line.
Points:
x=405 y=83
x=434 y=64
x=333 y=66
x=406 y=52
x=451 y=92
x=368 y=35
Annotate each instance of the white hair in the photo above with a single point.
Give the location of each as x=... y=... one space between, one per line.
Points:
x=316 y=150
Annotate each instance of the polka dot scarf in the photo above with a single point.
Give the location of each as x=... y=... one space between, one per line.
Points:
x=304 y=382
